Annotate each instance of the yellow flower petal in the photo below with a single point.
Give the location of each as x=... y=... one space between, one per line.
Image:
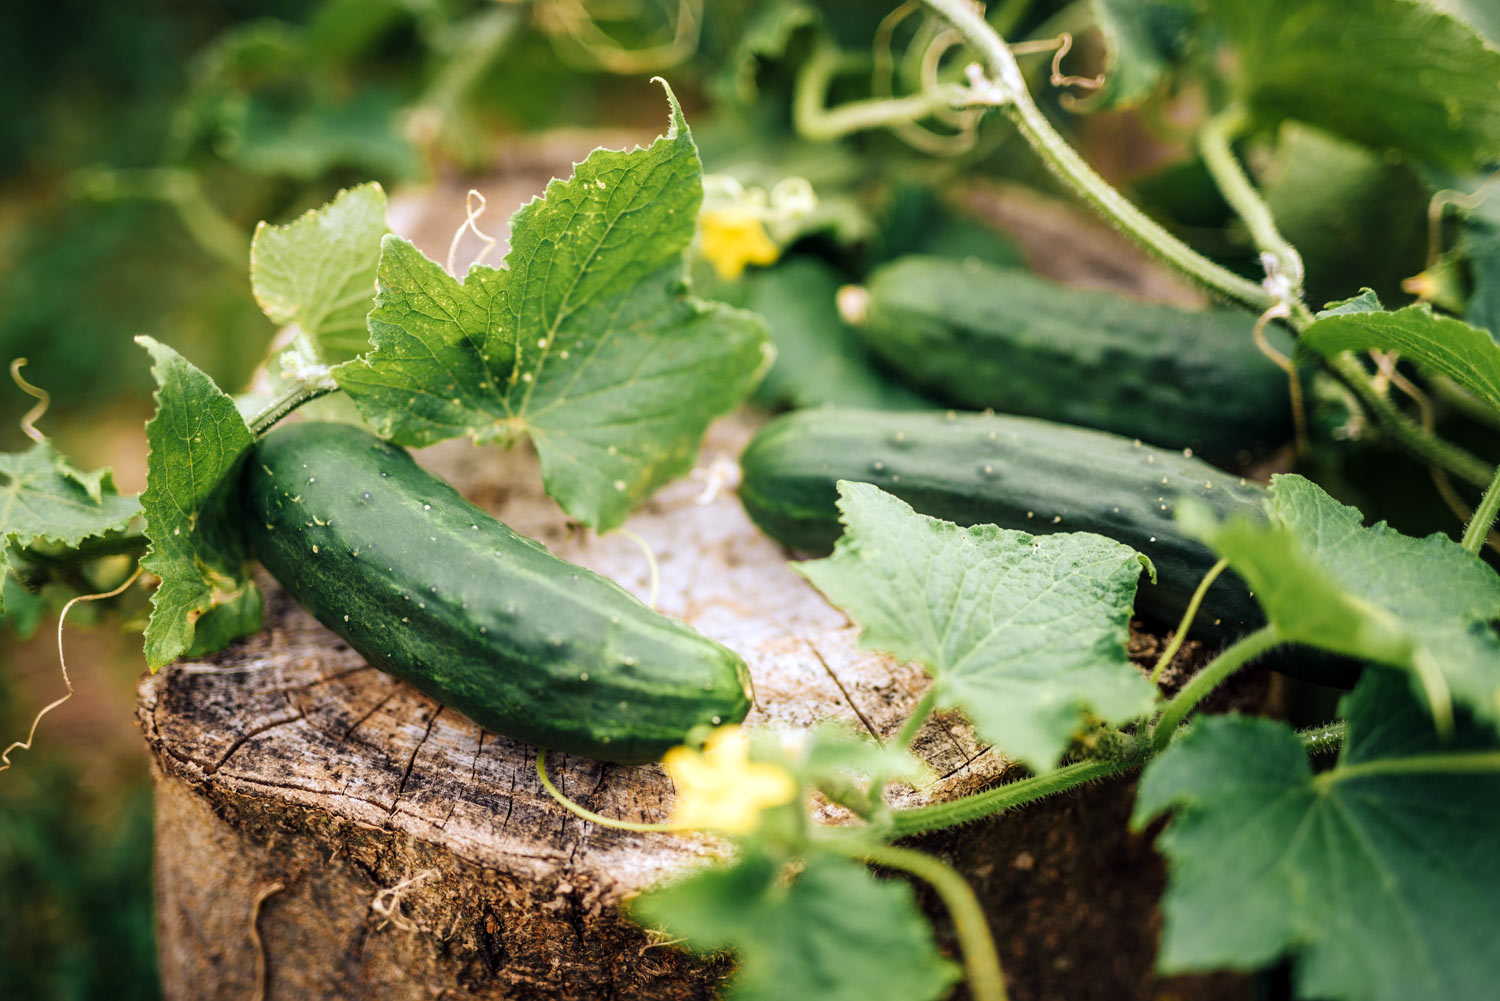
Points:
x=734 y=238
x=721 y=788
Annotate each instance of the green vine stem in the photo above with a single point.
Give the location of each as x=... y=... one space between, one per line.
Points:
x=316 y=384
x=1215 y=144
x=1457 y=763
x=981 y=964
x=921 y=819
x=1007 y=90
x=589 y=815
x=1406 y=431
x=1187 y=620
x=1011 y=96
x=815 y=120
x=1234 y=657
x=1484 y=516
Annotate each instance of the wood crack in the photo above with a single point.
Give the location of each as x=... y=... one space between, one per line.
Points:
x=412 y=763
x=245 y=737
x=843 y=691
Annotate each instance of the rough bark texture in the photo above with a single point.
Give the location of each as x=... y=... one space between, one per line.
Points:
x=378 y=845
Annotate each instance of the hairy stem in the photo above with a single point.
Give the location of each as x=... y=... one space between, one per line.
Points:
x=290 y=398
x=922 y=819
x=1324 y=739
x=1220 y=668
x=1484 y=516
x=1076 y=174
x=981 y=964
x=1215 y=140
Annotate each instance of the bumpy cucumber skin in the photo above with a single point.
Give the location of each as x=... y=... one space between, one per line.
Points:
x=433 y=590
x=978 y=336
x=1014 y=472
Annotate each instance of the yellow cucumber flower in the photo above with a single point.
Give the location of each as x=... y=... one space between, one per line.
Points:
x=721 y=788
x=734 y=237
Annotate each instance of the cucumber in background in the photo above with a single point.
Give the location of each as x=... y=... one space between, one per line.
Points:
x=978 y=336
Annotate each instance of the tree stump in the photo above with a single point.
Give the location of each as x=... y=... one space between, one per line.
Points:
x=325 y=831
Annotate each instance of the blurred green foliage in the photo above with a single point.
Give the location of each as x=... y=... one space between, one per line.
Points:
x=75 y=875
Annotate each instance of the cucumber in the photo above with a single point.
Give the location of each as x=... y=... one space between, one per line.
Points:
x=1014 y=472
x=979 y=336
x=431 y=589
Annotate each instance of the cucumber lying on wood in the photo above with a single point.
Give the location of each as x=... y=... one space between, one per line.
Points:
x=1014 y=472
x=431 y=589
x=979 y=336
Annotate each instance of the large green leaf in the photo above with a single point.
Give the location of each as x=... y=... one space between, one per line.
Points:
x=1481 y=15
x=318 y=271
x=1024 y=633
x=587 y=339
x=835 y=933
x=1380 y=874
x=1467 y=355
x=1391 y=74
x=1326 y=580
x=44 y=499
x=1144 y=41
x=206 y=597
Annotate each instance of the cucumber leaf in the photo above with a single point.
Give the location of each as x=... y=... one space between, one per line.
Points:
x=1326 y=580
x=44 y=499
x=587 y=339
x=206 y=597
x=1390 y=74
x=1023 y=633
x=1144 y=41
x=836 y=933
x=1379 y=874
x=1467 y=355
x=318 y=271
x=1481 y=15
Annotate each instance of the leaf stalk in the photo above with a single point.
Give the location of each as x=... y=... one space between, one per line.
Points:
x=1234 y=657
x=293 y=396
x=981 y=963
x=921 y=819
x=1484 y=516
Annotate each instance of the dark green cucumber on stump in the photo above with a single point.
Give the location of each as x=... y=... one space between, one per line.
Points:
x=1020 y=473
x=978 y=336
x=1014 y=472
x=433 y=590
